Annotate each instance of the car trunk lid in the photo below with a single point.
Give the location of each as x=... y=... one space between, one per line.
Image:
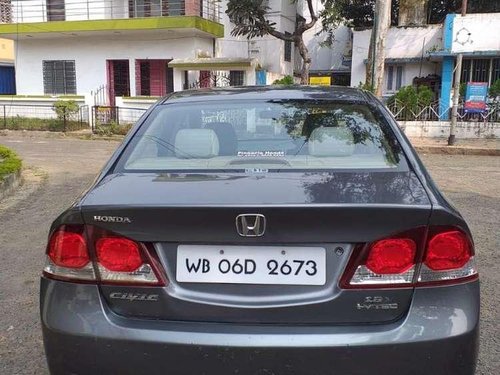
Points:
x=308 y=212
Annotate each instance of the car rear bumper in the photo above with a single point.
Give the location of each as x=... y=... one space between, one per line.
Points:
x=439 y=335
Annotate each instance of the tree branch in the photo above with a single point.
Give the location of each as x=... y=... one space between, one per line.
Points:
x=278 y=34
x=312 y=13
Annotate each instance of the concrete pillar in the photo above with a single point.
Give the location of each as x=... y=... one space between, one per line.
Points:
x=131 y=69
x=178 y=79
x=250 y=79
x=446 y=86
x=447 y=69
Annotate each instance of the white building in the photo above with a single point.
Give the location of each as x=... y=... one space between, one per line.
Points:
x=73 y=47
x=333 y=61
x=128 y=48
x=418 y=54
x=274 y=56
x=406 y=55
x=475 y=36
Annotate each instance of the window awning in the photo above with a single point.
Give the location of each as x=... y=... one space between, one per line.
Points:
x=401 y=60
x=492 y=53
x=214 y=63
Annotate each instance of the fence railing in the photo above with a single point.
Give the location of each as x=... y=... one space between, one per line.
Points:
x=118 y=119
x=431 y=112
x=42 y=117
x=114 y=116
x=24 y=11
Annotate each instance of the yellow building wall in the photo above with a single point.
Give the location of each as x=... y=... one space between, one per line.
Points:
x=6 y=50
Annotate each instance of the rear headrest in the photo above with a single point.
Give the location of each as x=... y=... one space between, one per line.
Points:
x=228 y=141
x=196 y=143
x=331 y=142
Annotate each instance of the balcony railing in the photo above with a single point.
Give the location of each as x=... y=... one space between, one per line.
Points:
x=27 y=11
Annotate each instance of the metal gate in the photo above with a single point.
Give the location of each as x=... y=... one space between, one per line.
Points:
x=210 y=79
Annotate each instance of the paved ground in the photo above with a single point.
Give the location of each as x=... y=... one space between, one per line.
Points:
x=485 y=143
x=64 y=167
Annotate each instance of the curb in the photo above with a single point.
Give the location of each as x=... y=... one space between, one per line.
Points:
x=456 y=150
x=9 y=183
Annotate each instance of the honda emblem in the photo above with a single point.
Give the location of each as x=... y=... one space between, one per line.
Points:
x=251 y=225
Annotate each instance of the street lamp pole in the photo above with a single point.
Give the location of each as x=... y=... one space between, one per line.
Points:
x=456 y=88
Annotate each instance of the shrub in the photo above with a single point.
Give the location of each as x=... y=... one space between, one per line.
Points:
x=112 y=129
x=9 y=162
x=54 y=125
x=412 y=98
x=366 y=86
x=494 y=90
x=66 y=109
x=286 y=80
x=462 y=89
x=425 y=95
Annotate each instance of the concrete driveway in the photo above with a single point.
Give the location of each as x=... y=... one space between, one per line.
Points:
x=471 y=182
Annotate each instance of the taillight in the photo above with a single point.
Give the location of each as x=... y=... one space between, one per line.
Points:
x=404 y=260
x=448 y=251
x=68 y=249
x=118 y=254
x=68 y=256
x=117 y=259
x=391 y=256
x=449 y=257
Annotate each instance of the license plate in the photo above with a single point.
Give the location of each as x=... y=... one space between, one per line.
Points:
x=251 y=265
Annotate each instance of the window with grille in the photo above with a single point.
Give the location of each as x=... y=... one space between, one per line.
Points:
x=56 y=10
x=399 y=77
x=288 y=48
x=495 y=72
x=155 y=8
x=59 y=77
x=236 y=78
x=480 y=70
x=5 y=11
x=145 y=77
x=394 y=77
x=390 y=77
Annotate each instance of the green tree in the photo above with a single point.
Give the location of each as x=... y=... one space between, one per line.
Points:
x=359 y=13
x=65 y=109
x=286 y=80
x=494 y=90
x=251 y=19
x=353 y=13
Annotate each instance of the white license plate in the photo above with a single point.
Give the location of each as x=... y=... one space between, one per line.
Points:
x=251 y=265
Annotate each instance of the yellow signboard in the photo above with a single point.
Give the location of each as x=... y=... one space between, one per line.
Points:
x=321 y=81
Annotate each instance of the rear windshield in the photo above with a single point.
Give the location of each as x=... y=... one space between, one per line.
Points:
x=262 y=136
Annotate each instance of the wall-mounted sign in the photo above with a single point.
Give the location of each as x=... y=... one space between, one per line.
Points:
x=475 y=97
x=321 y=81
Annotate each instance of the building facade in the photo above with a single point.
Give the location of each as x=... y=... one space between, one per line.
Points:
x=75 y=47
x=406 y=56
x=475 y=36
x=7 y=71
x=275 y=57
x=129 y=48
x=426 y=54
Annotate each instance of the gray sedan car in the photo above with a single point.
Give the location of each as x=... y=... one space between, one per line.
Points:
x=271 y=230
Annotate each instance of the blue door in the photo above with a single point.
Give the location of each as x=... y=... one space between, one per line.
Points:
x=7 y=80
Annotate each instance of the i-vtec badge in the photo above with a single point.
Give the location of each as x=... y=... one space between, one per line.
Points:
x=377 y=303
x=112 y=219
